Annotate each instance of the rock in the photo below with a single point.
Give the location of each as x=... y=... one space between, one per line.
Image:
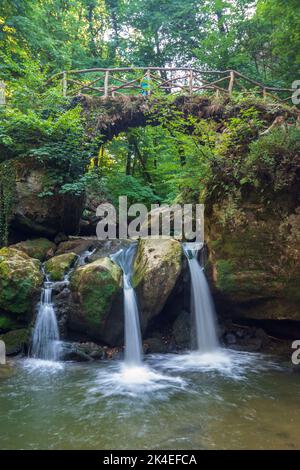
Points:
x=60 y=237
x=96 y=308
x=83 y=351
x=76 y=355
x=154 y=345
x=78 y=246
x=6 y=371
x=105 y=248
x=248 y=344
x=40 y=212
x=15 y=341
x=40 y=248
x=156 y=268
x=230 y=338
x=182 y=330
x=58 y=266
x=20 y=277
x=255 y=259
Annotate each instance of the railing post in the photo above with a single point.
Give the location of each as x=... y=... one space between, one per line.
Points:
x=264 y=92
x=2 y=94
x=231 y=82
x=106 y=80
x=191 y=81
x=148 y=81
x=64 y=84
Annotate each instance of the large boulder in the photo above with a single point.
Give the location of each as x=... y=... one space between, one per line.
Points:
x=39 y=248
x=255 y=259
x=156 y=269
x=58 y=266
x=96 y=307
x=39 y=207
x=16 y=341
x=20 y=277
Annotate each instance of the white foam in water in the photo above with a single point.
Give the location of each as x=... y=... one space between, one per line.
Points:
x=41 y=365
x=120 y=379
x=227 y=362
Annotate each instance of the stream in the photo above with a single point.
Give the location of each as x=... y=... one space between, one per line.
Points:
x=220 y=400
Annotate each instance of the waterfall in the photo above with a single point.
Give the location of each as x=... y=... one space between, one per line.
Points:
x=202 y=302
x=45 y=340
x=84 y=257
x=133 y=342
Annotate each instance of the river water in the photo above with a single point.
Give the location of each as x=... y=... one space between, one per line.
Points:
x=224 y=400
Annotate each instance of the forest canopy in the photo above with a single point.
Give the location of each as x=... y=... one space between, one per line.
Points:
x=173 y=160
x=259 y=38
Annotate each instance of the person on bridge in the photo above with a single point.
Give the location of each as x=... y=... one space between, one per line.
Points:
x=145 y=85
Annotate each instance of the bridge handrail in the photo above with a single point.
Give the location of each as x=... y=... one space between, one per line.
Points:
x=193 y=75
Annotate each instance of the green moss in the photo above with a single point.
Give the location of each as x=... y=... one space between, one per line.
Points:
x=151 y=253
x=20 y=276
x=15 y=340
x=59 y=265
x=7 y=192
x=140 y=264
x=96 y=283
x=225 y=279
x=40 y=248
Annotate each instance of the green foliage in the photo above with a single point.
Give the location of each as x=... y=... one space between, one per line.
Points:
x=180 y=159
x=127 y=185
x=274 y=160
x=7 y=190
x=268 y=164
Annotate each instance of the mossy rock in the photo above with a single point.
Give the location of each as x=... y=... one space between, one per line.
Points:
x=156 y=269
x=58 y=266
x=255 y=260
x=40 y=248
x=78 y=246
x=94 y=287
x=15 y=341
x=20 y=276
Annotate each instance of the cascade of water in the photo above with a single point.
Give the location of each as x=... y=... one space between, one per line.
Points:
x=45 y=339
x=83 y=257
x=202 y=303
x=133 y=342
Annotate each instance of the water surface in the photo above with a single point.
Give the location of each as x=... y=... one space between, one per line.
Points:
x=229 y=400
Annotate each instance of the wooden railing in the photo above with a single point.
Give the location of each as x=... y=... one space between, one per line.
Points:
x=108 y=82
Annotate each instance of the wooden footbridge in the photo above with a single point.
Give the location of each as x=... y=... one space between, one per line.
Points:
x=111 y=82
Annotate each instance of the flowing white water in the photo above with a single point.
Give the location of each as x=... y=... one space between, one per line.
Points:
x=202 y=303
x=133 y=342
x=45 y=340
x=84 y=257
